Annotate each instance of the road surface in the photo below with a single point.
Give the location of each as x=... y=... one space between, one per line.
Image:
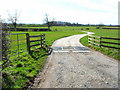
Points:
x=72 y=65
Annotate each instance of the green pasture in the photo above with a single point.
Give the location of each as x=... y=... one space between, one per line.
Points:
x=64 y=31
x=112 y=33
x=56 y=33
x=51 y=36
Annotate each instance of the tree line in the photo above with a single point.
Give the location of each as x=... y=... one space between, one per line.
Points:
x=14 y=18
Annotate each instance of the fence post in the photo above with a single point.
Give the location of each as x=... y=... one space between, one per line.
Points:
x=94 y=40
x=28 y=42
x=88 y=39
x=18 y=44
x=41 y=41
x=44 y=39
x=100 y=41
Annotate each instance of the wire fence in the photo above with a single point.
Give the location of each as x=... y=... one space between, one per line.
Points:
x=18 y=45
x=22 y=44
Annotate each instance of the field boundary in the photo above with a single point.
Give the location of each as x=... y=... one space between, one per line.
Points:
x=98 y=41
x=41 y=41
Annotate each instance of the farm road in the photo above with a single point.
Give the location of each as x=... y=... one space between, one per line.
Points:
x=71 y=65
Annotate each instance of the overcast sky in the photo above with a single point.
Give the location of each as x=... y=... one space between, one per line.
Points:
x=74 y=11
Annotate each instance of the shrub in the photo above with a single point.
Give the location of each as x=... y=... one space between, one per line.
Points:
x=5 y=43
x=4 y=51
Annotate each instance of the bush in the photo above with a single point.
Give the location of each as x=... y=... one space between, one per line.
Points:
x=5 y=43
x=5 y=46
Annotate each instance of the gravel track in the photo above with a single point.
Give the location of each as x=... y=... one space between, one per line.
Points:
x=77 y=69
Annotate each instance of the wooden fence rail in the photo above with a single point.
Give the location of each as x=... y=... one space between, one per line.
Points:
x=25 y=42
x=41 y=44
x=93 y=39
x=21 y=45
x=98 y=41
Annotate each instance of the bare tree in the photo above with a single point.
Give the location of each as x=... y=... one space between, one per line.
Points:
x=48 y=21
x=13 y=18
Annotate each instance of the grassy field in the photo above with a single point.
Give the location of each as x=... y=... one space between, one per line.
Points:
x=113 y=33
x=112 y=27
x=56 y=33
x=51 y=36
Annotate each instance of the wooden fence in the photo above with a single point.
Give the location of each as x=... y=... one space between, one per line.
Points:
x=20 y=45
x=41 y=41
x=99 y=41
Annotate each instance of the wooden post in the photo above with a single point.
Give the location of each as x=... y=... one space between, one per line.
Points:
x=41 y=41
x=100 y=41
x=18 y=44
x=28 y=42
x=44 y=39
x=88 y=39
x=94 y=41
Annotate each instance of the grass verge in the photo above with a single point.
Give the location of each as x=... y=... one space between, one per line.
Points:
x=113 y=53
x=22 y=71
